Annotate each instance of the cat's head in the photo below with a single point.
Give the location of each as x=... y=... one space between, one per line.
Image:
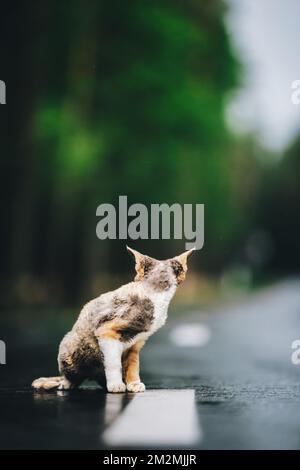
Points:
x=161 y=274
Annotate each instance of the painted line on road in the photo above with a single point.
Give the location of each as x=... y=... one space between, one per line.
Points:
x=157 y=417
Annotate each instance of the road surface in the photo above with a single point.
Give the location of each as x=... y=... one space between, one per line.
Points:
x=221 y=379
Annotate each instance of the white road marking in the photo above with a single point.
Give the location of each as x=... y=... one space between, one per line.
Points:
x=190 y=335
x=157 y=417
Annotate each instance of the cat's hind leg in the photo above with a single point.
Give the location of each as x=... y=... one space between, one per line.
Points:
x=66 y=384
x=47 y=383
x=51 y=383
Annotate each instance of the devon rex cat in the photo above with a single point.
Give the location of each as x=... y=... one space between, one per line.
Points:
x=110 y=331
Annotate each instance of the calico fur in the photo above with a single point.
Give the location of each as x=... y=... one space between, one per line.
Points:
x=105 y=341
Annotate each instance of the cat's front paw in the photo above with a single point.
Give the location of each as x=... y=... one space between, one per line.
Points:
x=116 y=387
x=136 y=387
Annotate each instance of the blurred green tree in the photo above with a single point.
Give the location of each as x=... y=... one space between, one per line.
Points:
x=125 y=98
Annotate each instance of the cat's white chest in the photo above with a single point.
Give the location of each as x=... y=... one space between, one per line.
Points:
x=161 y=301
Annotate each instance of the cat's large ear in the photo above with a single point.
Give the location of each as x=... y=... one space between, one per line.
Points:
x=184 y=257
x=140 y=262
x=137 y=255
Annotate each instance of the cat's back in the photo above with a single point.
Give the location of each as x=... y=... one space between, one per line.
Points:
x=105 y=307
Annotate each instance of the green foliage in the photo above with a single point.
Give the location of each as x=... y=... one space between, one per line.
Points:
x=130 y=101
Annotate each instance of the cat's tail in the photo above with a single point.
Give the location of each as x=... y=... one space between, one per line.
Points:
x=47 y=383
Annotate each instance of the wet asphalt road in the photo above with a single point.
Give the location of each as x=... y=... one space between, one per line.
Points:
x=247 y=389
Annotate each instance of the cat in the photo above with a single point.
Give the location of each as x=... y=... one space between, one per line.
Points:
x=105 y=342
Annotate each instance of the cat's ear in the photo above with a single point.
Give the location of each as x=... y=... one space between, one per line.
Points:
x=143 y=263
x=139 y=263
x=137 y=255
x=184 y=257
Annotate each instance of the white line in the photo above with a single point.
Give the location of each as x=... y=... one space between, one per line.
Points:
x=157 y=417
